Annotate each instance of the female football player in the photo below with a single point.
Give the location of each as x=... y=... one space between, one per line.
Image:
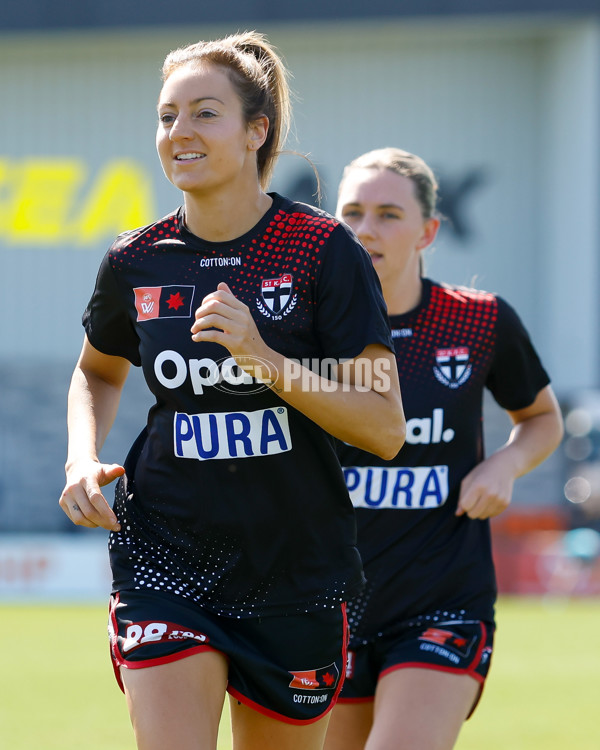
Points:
x=422 y=630
x=232 y=539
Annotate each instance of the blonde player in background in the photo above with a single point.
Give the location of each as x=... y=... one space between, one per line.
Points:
x=422 y=630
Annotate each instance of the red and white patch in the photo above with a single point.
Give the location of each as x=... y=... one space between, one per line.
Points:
x=277 y=296
x=174 y=301
x=325 y=678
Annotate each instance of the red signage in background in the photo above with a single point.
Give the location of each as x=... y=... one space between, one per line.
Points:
x=536 y=553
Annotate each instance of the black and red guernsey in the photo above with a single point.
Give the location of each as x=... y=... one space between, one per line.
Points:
x=419 y=558
x=231 y=497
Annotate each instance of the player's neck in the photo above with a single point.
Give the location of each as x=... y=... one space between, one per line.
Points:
x=402 y=298
x=218 y=218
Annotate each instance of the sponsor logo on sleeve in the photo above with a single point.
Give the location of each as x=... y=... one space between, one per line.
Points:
x=155 y=302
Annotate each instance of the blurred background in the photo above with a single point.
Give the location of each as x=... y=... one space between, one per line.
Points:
x=502 y=98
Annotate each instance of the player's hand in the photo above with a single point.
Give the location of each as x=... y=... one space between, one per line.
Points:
x=225 y=320
x=82 y=500
x=486 y=491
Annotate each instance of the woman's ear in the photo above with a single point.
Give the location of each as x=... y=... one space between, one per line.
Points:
x=257 y=132
x=430 y=230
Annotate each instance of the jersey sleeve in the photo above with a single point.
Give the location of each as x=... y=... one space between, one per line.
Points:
x=351 y=311
x=106 y=319
x=517 y=374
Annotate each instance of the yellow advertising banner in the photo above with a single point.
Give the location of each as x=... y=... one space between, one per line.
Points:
x=51 y=201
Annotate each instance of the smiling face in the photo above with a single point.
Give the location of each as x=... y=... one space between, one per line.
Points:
x=202 y=140
x=382 y=209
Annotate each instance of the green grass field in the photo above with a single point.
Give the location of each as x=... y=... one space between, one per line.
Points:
x=57 y=691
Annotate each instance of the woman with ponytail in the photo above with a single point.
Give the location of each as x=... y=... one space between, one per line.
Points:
x=422 y=630
x=232 y=536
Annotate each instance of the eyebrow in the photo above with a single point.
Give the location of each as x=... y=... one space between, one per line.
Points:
x=193 y=102
x=379 y=205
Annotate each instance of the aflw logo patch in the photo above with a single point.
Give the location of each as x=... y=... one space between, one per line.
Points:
x=452 y=366
x=277 y=297
x=153 y=302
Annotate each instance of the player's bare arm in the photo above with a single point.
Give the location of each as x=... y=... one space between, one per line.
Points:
x=94 y=396
x=487 y=490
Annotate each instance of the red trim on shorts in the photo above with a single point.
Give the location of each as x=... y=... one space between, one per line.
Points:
x=367 y=699
x=286 y=719
x=273 y=714
x=469 y=670
x=435 y=667
x=118 y=660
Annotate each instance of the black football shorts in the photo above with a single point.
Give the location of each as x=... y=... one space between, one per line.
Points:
x=288 y=667
x=456 y=646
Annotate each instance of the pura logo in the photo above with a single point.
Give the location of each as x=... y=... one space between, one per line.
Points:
x=397 y=488
x=227 y=435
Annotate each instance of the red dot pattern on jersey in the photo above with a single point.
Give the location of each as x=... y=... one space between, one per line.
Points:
x=454 y=317
x=290 y=244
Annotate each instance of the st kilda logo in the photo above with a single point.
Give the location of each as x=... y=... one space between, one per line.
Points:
x=452 y=367
x=276 y=297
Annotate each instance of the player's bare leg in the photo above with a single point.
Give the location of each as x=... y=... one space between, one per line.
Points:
x=177 y=705
x=253 y=730
x=349 y=726
x=420 y=709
